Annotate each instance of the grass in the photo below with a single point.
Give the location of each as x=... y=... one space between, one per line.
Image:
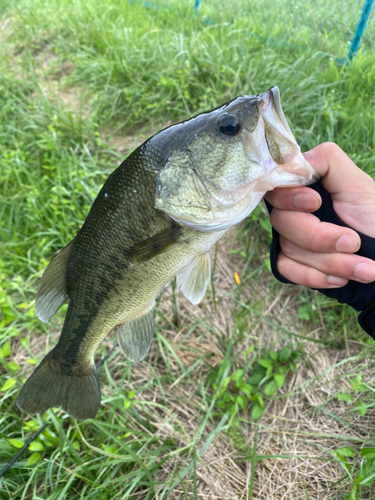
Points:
x=263 y=391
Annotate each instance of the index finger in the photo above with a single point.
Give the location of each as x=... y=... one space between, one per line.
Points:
x=302 y=199
x=339 y=173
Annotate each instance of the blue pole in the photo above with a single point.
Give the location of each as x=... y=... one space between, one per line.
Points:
x=360 y=28
x=197 y=4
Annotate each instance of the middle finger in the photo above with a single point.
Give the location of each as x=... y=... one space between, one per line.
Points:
x=308 y=232
x=343 y=265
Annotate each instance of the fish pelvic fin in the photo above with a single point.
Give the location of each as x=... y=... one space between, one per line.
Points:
x=135 y=337
x=52 y=290
x=194 y=278
x=75 y=388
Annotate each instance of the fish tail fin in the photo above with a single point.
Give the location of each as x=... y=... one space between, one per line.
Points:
x=73 y=387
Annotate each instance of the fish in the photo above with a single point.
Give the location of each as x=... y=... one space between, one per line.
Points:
x=156 y=218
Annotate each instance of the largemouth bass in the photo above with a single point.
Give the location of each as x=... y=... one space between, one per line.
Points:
x=156 y=217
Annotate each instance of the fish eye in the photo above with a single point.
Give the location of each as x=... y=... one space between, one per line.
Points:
x=228 y=124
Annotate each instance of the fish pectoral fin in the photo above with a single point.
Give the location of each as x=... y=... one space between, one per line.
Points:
x=194 y=278
x=52 y=290
x=157 y=244
x=76 y=389
x=135 y=337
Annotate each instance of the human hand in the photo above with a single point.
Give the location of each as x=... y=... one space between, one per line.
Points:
x=320 y=254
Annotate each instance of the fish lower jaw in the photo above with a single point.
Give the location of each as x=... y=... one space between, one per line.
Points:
x=296 y=173
x=230 y=215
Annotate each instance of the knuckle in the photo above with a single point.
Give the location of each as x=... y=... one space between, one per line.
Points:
x=288 y=248
x=331 y=149
x=310 y=277
x=332 y=265
x=314 y=278
x=282 y=265
x=274 y=217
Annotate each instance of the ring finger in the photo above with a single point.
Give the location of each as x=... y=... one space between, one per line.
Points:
x=347 y=266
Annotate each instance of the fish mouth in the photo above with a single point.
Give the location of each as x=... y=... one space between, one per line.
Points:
x=272 y=145
x=272 y=96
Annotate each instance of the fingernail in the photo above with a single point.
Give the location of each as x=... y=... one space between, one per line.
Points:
x=306 y=201
x=364 y=271
x=336 y=281
x=348 y=243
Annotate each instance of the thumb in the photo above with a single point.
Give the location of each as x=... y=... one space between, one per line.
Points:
x=352 y=190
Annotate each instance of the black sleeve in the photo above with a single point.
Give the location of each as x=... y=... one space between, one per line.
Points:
x=360 y=296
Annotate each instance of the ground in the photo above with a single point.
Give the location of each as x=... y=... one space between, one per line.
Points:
x=262 y=391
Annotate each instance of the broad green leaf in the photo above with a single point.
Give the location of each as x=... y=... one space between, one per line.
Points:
x=249 y=350
x=25 y=342
x=279 y=379
x=109 y=449
x=8 y=384
x=31 y=425
x=241 y=401
x=259 y=399
x=273 y=355
x=270 y=388
x=13 y=366
x=33 y=459
x=6 y=349
x=368 y=453
x=266 y=363
x=345 y=451
x=304 y=312
x=344 y=396
x=36 y=446
x=257 y=411
x=285 y=354
x=245 y=388
x=362 y=407
x=266 y=224
x=237 y=376
x=368 y=474
x=16 y=443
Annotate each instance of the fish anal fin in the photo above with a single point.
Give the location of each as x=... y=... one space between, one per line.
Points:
x=76 y=389
x=135 y=337
x=157 y=244
x=194 y=278
x=52 y=290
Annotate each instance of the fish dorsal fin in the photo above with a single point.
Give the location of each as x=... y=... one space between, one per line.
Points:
x=135 y=337
x=194 y=278
x=52 y=290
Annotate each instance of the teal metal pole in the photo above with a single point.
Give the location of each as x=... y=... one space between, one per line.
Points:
x=360 y=28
